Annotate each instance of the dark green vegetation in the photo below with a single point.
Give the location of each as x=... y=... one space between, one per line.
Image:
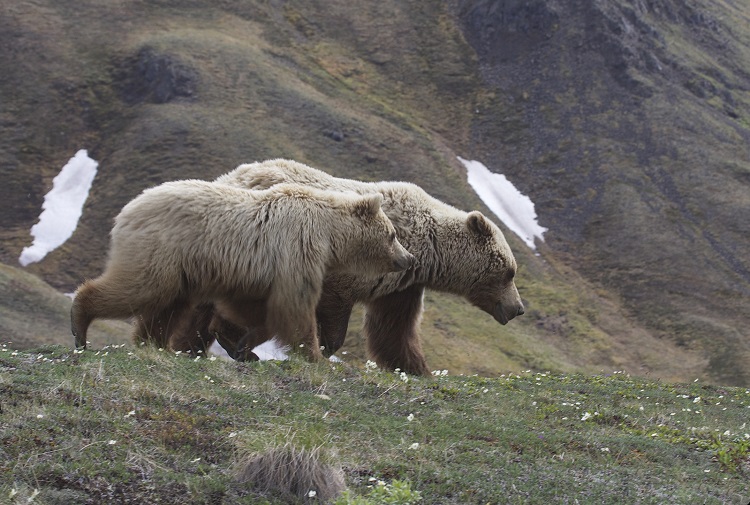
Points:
x=124 y=425
x=627 y=123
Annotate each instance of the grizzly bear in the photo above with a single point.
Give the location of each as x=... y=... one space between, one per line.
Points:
x=189 y=242
x=457 y=252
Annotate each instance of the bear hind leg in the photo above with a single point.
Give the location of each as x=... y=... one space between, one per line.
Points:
x=95 y=299
x=156 y=326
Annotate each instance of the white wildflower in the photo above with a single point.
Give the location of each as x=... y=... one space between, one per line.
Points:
x=312 y=494
x=414 y=446
x=410 y=417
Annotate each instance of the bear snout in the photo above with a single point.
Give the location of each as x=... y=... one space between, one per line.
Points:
x=404 y=261
x=504 y=314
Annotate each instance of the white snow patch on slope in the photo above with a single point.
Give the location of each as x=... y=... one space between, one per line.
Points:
x=62 y=207
x=513 y=208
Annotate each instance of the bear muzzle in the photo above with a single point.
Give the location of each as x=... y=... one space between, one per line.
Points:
x=403 y=261
x=504 y=314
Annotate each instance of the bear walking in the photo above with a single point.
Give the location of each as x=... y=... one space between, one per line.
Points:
x=189 y=242
x=456 y=252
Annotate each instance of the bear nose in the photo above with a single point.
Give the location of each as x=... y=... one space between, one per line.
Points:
x=404 y=262
x=520 y=311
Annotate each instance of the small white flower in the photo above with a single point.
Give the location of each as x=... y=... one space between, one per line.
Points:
x=112 y=442
x=39 y=416
x=212 y=358
x=233 y=434
x=414 y=446
x=129 y=414
x=312 y=494
x=605 y=449
x=404 y=377
x=485 y=390
x=410 y=417
x=727 y=433
x=697 y=398
x=195 y=460
x=586 y=416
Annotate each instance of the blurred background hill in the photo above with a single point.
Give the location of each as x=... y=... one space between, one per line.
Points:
x=627 y=122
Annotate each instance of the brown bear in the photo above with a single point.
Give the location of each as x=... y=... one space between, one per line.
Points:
x=457 y=252
x=188 y=242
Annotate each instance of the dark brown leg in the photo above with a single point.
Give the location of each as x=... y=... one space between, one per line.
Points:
x=157 y=327
x=391 y=330
x=192 y=333
x=239 y=325
x=333 y=315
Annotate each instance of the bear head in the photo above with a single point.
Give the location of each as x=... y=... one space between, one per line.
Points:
x=372 y=247
x=492 y=289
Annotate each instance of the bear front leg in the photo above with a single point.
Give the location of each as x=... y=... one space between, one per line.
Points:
x=239 y=325
x=238 y=341
x=391 y=329
x=333 y=315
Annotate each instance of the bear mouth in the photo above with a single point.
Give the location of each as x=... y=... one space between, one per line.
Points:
x=499 y=314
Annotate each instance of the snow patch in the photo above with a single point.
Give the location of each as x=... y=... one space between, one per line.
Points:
x=512 y=207
x=62 y=207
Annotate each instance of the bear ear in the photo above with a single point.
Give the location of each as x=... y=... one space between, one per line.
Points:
x=368 y=205
x=477 y=223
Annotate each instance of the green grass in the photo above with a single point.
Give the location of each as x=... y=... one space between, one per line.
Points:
x=124 y=425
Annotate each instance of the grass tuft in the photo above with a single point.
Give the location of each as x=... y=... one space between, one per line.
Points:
x=293 y=472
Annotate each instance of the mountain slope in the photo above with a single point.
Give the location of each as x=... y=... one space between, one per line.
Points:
x=627 y=124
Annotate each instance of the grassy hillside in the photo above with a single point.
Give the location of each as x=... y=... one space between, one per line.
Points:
x=123 y=425
x=627 y=125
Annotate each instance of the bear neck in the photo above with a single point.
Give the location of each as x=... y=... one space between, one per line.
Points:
x=442 y=254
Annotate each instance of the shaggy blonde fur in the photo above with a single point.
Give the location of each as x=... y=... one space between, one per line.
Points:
x=457 y=252
x=187 y=242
